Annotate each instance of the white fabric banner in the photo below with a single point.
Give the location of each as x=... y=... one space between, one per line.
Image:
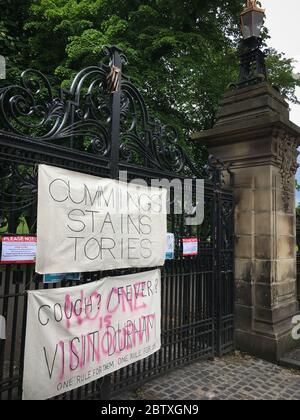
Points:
x=89 y=224
x=2 y=328
x=79 y=334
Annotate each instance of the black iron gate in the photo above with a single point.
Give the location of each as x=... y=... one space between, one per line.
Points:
x=99 y=127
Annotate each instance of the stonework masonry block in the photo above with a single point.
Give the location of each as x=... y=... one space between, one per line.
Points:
x=254 y=135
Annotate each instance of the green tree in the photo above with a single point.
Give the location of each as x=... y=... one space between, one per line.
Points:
x=280 y=70
x=13 y=37
x=182 y=53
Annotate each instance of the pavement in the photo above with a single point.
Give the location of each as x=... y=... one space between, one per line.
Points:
x=234 y=377
x=291 y=359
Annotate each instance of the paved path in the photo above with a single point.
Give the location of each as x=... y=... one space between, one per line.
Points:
x=236 y=377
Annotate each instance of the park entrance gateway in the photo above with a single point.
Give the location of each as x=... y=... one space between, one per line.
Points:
x=98 y=128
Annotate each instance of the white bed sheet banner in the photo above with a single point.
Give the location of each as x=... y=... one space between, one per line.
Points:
x=79 y=334
x=88 y=224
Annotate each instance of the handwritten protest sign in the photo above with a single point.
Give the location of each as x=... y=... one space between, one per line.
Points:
x=88 y=224
x=77 y=335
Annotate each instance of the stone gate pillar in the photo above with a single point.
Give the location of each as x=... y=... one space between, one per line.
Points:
x=253 y=133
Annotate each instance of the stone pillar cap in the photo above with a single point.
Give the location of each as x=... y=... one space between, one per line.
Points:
x=248 y=113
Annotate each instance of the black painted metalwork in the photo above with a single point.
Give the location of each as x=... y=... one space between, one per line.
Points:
x=90 y=118
x=98 y=127
x=252 y=62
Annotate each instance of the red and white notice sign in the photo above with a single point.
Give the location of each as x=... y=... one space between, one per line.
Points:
x=18 y=250
x=190 y=247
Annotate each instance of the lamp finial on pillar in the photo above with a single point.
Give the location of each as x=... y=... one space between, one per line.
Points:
x=252 y=59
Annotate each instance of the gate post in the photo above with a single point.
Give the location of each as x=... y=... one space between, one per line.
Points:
x=114 y=81
x=253 y=133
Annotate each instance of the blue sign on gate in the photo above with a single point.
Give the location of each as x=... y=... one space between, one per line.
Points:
x=56 y=278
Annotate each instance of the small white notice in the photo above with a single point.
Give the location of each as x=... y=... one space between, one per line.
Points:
x=170 y=246
x=190 y=247
x=18 y=250
x=2 y=328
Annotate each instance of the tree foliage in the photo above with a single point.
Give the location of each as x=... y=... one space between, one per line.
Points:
x=13 y=38
x=181 y=53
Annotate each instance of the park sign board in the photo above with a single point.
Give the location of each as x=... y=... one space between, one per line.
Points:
x=79 y=334
x=190 y=247
x=88 y=224
x=59 y=277
x=18 y=250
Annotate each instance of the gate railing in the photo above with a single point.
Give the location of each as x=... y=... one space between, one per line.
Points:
x=99 y=126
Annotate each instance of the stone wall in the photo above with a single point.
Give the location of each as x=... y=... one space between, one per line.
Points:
x=253 y=134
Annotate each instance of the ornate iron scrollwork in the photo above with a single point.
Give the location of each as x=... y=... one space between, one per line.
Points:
x=18 y=195
x=80 y=115
x=147 y=141
x=215 y=169
x=82 y=118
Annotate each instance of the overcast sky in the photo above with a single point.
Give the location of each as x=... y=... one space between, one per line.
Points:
x=283 y=23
